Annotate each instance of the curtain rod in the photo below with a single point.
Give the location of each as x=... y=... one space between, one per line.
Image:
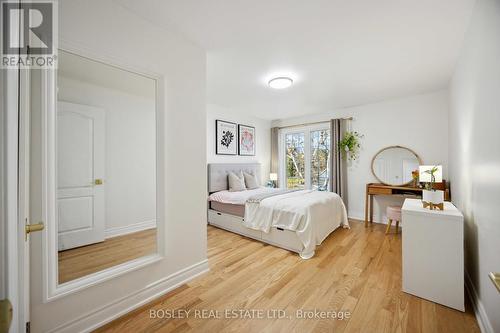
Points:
x=314 y=123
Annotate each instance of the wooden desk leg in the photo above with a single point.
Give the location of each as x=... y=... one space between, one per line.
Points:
x=371 y=209
x=366 y=208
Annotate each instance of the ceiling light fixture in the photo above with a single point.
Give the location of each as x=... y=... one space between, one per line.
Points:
x=281 y=82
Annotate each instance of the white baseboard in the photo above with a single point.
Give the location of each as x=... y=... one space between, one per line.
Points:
x=361 y=217
x=122 y=306
x=355 y=216
x=481 y=316
x=128 y=229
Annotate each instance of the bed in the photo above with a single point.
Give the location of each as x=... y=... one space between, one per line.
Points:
x=294 y=220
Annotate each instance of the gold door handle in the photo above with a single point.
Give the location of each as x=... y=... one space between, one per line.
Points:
x=29 y=228
x=98 y=181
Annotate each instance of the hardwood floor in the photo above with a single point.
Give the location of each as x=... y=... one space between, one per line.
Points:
x=85 y=260
x=356 y=270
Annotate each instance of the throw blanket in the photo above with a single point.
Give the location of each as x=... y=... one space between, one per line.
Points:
x=313 y=215
x=257 y=198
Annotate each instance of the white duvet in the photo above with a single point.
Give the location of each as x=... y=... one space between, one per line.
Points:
x=313 y=215
x=239 y=197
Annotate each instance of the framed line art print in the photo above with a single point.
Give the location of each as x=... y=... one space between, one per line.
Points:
x=226 y=138
x=246 y=140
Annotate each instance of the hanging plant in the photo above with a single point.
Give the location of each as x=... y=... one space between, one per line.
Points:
x=350 y=145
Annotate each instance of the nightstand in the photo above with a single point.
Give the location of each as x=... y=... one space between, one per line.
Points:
x=433 y=253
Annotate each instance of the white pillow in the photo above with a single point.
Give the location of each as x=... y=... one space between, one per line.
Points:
x=236 y=182
x=251 y=181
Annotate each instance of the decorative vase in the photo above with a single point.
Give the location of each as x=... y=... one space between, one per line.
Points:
x=433 y=199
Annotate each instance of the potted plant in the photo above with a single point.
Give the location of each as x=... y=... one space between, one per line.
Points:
x=431 y=197
x=350 y=145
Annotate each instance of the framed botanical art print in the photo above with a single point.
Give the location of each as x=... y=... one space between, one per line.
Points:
x=246 y=140
x=226 y=137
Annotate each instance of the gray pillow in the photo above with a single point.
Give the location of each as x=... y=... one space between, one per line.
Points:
x=236 y=182
x=251 y=181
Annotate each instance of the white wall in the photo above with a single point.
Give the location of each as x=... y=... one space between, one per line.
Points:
x=103 y=27
x=130 y=155
x=475 y=153
x=418 y=122
x=262 y=135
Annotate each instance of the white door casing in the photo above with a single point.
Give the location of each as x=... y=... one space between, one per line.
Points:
x=80 y=163
x=11 y=231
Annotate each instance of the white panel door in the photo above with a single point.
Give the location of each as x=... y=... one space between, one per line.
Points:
x=80 y=174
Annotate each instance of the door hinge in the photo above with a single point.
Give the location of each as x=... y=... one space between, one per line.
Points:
x=29 y=228
x=5 y=315
x=28 y=327
x=495 y=278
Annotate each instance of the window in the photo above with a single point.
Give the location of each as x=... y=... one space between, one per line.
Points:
x=305 y=158
x=320 y=159
x=295 y=160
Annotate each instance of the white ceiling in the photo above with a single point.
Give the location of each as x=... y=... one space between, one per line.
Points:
x=340 y=53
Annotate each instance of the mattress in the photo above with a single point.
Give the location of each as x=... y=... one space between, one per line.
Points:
x=232 y=209
x=233 y=203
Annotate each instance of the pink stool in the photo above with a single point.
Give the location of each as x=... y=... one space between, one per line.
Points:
x=393 y=214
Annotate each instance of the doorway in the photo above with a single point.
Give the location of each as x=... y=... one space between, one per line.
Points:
x=305 y=157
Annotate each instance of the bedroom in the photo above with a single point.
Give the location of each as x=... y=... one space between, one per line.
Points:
x=270 y=176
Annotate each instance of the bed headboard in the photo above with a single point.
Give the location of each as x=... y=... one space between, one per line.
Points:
x=217 y=173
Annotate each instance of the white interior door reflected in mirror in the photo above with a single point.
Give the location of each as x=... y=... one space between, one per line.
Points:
x=80 y=159
x=394 y=165
x=105 y=168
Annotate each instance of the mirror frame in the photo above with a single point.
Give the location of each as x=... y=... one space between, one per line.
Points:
x=387 y=148
x=52 y=289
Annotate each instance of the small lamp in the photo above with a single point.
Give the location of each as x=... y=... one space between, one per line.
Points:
x=273 y=177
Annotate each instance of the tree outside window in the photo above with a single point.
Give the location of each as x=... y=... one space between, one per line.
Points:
x=320 y=161
x=318 y=170
x=295 y=160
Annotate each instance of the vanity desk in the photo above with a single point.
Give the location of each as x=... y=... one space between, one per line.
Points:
x=373 y=189
x=393 y=167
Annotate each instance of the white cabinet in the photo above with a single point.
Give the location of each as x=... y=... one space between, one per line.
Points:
x=433 y=253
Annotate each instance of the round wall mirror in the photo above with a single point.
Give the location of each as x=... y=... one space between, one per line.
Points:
x=394 y=165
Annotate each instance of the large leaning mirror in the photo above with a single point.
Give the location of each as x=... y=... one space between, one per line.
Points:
x=394 y=165
x=106 y=166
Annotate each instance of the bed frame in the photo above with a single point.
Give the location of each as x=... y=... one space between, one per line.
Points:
x=217 y=181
